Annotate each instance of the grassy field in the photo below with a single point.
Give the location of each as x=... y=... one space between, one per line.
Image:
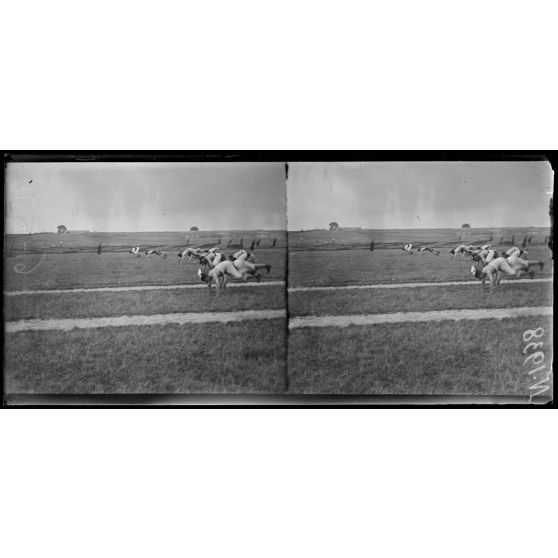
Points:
x=79 y=270
x=461 y=358
x=208 y=358
x=420 y=299
x=360 y=267
x=448 y=358
x=245 y=357
x=86 y=305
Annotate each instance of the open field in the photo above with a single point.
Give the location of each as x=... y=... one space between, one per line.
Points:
x=142 y=336
x=360 y=267
x=198 y=358
x=85 y=305
x=448 y=358
x=418 y=299
x=79 y=322
x=75 y=270
x=407 y=340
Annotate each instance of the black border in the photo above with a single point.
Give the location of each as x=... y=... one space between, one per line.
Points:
x=273 y=156
x=198 y=401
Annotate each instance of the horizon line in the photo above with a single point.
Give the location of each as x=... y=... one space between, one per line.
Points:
x=355 y=229
x=84 y=231
x=341 y=229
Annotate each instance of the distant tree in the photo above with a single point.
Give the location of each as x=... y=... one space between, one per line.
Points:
x=333 y=226
x=61 y=229
x=465 y=226
x=194 y=229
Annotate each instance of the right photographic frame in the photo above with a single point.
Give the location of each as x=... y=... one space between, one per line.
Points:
x=414 y=279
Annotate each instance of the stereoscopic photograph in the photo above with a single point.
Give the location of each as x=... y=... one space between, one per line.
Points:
x=287 y=279
x=144 y=278
x=420 y=278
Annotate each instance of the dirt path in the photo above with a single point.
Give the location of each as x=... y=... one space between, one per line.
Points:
x=402 y=317
x=410 y=285
x=140 y=288
x=156 y=319
x=294 y=323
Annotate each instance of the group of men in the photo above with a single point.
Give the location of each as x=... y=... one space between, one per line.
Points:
x=408 y=250
x=217 y=268
x=214 y=265
x=490 y=265
x=135 y=251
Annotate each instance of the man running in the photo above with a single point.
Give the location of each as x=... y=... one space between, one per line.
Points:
x=461 y=249
x=157 y=252
x=493 y=270
x=464 y=250
x=245 y=260
x=514 y=250
x=190 y=252
x=515 y=261
x=486 y=255
x=428 y=249
x=214 y=256
x=219 y=274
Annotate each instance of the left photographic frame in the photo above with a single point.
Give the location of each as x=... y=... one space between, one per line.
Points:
x=114 y=276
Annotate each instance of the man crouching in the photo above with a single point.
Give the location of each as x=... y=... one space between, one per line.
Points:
x=219 y=274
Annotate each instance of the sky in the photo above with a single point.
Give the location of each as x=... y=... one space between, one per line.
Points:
x=392 y=195
x=135 y=197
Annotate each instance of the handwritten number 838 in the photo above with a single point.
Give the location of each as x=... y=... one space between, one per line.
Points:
x=535 y=358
